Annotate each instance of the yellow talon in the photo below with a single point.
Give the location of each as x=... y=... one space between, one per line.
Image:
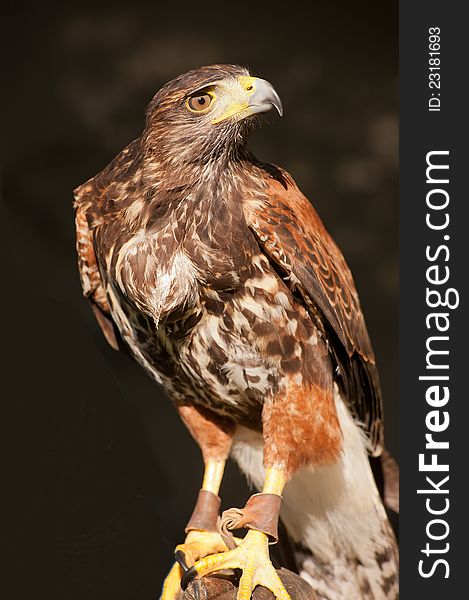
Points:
x=252 y=557
x=196 y=546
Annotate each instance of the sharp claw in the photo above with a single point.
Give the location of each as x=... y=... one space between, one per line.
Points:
x=252 y=557
x=188 y=577
x=180 y=558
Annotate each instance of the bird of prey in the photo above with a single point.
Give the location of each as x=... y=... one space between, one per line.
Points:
x=215 y=272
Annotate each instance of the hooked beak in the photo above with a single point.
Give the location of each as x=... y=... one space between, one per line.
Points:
x=264 y=98
x=248 y=96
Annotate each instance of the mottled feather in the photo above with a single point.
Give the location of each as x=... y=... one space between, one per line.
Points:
x=217 y=275
x=294 y=238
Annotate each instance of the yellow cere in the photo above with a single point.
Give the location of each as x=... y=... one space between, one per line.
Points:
x=247 y=82
x=240 y=98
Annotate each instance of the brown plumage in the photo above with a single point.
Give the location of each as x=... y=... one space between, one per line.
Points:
x=220 y=278
x=292 y=234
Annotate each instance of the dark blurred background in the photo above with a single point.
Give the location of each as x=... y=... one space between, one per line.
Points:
x=126 y=470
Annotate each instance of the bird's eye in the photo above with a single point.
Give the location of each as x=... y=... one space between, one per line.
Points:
x=200 y=102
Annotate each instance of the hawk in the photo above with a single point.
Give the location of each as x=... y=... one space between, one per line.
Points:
x=215 y=272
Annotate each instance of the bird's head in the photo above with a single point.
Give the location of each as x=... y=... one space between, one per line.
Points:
x=207 y=112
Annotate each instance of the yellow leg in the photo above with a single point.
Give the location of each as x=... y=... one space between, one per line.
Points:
x=197 y=544
x=274 y=481
x=251 y=555
x=213 y=475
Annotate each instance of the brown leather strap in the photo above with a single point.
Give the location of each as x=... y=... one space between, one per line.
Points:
x=205 y=514
x=260 y=513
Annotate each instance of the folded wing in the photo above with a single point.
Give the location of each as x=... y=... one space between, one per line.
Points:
x=296 y=242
